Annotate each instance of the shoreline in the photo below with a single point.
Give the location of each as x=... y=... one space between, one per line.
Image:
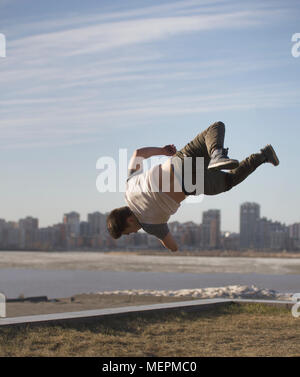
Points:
x=160 y=262
x=133 y=297
x=200 y=253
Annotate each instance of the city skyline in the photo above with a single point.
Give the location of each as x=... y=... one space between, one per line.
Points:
x=79 y=83
x=88 y=215
x=256 y=233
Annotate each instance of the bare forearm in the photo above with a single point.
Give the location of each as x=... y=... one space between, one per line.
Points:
x=167 y=150
x=150 y=151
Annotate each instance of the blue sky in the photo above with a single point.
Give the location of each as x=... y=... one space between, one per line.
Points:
x=83 y=79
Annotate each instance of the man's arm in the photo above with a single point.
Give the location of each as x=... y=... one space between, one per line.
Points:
x=161 y=231
x=136 y=161
x=149 y=152
x=169 y=242
x=167 y=150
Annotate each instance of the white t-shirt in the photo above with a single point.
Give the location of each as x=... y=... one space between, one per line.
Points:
x=150 y=205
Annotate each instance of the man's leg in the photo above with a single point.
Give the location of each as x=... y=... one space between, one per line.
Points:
x=210 y=145
x=246 y=167
x=217 y=182
x=202 y=146
x=205 y=143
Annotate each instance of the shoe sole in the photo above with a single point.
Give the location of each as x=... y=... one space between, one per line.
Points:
x=224 y=165
x=275 y=161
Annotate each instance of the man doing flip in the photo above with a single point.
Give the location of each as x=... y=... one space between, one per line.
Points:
x=151 y=209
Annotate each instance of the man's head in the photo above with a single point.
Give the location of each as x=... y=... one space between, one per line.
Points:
x=122 y=221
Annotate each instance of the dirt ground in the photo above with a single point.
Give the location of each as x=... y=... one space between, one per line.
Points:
x=84 y=302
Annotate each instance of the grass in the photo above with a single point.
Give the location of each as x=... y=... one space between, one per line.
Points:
x=233 y=330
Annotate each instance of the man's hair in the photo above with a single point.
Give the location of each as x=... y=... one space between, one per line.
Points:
x=116 y=221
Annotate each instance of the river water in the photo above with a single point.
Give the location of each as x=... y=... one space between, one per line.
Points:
x=64 y=283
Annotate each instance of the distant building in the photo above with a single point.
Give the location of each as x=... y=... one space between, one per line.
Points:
x=255 y=233
x=11 y=235
x=27 y=232
x=84 y=229
x=263 y=233
x=279 y=236
x=2 y=231
x=72 y=222
x=230 y=241
x=190 y=234
x=46 y=238
x=211 y=229
x=249 y=216
x=29 y=223
x=97 y=223
x=294 y=231
x=294 y=236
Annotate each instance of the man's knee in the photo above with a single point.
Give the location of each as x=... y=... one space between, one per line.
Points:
x=218 y=127
x=219 y=124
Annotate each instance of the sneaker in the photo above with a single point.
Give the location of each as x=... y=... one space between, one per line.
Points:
x=220 y=160
x=270 y=155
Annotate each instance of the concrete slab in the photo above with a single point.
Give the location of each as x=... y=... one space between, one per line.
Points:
x=93 y=315
x=269 y=302
x=98 y=313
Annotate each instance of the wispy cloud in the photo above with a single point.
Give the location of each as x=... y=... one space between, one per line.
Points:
x=71 y=120
x=81 y=71
x=107 y=36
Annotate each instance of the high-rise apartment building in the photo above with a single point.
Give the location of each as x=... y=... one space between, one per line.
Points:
x=211 y=229
x=28 y=232
x=72 y=222
x=249 y=217
x=294 y=235
x=97 y=223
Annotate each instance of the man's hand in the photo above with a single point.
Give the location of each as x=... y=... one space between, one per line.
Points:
x=169 y=150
